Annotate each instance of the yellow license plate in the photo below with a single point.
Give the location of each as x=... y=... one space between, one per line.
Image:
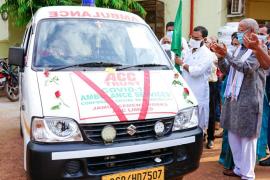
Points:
x=145 y=174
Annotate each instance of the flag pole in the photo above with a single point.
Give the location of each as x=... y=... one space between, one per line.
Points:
x=177 y=34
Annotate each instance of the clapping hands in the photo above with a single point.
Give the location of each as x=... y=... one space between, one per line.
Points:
x=251 y=41
x=219 y=49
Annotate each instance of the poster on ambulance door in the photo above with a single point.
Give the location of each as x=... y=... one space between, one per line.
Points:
x=122 y=96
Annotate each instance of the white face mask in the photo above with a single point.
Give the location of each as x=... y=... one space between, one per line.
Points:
x=169 y=34
x=262 y=38
x=166 y=47
x=194 y=44
x=232 y=48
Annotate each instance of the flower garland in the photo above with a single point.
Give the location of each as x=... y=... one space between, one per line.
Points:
x=54 y=79
x=57 y=94
x=176 y=81
x=185 y=93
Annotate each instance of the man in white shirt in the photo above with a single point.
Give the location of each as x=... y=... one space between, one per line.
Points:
x=196 y=70
x=214 y=95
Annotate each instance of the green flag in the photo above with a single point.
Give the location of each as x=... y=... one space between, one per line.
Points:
x=177 y=34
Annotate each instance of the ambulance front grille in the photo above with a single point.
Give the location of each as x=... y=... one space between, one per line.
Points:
x=144 y=130
x=120 y=162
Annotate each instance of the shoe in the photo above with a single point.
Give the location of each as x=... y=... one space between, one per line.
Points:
x=265 y=162
x=210 y=144
x=220 y=135
x=229 y=172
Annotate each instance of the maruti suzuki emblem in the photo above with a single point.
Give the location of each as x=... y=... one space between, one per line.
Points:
x=131 y=130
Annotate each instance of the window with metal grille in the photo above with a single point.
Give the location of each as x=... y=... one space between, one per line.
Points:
x=235 y=7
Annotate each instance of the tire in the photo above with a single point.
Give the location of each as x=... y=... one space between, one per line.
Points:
x=12 y=92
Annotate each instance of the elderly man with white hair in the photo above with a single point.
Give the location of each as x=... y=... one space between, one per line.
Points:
x=242 y=111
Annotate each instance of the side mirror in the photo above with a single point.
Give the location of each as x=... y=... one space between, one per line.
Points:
x=16 y=56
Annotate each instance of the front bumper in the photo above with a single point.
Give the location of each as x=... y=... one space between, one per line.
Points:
x=180 y=153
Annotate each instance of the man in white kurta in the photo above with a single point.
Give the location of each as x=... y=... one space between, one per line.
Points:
x=196 y=71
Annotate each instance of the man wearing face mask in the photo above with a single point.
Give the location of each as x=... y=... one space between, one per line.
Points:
x=166 y=46
x=268 y=40
x=262 y=34
x=242 y=110
x=234 y=43
x=253 y=43
x=196 y=70
x=169 y=29
x=169 y=34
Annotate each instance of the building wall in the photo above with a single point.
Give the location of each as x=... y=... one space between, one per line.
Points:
x=171 y=7
x=3 y=36
x=209 y=13
x=10 y=35
x=258 y=9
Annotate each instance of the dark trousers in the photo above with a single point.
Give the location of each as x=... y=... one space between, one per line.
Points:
x=267 y=90
x=218 y=100
x=268 y=132
x=213 y=105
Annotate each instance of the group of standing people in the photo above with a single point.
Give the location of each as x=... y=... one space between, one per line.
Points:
x=245 y=106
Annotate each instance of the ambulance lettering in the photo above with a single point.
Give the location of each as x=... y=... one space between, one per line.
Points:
x=85 y=14
x=97 y=14
x=121 y=77
x=63 y=13
x=76 y=14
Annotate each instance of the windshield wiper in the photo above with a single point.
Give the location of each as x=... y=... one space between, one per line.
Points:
x=89 y=64
x=142 y=65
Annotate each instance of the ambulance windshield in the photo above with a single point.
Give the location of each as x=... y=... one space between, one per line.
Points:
x=63 y=42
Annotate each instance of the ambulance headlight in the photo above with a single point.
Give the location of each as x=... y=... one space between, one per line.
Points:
x=186 y=118
x=55 y=129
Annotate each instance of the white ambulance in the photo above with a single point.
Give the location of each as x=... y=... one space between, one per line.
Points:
x=99 y=99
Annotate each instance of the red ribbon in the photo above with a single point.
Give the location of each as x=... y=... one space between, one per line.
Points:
x=146 y=96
